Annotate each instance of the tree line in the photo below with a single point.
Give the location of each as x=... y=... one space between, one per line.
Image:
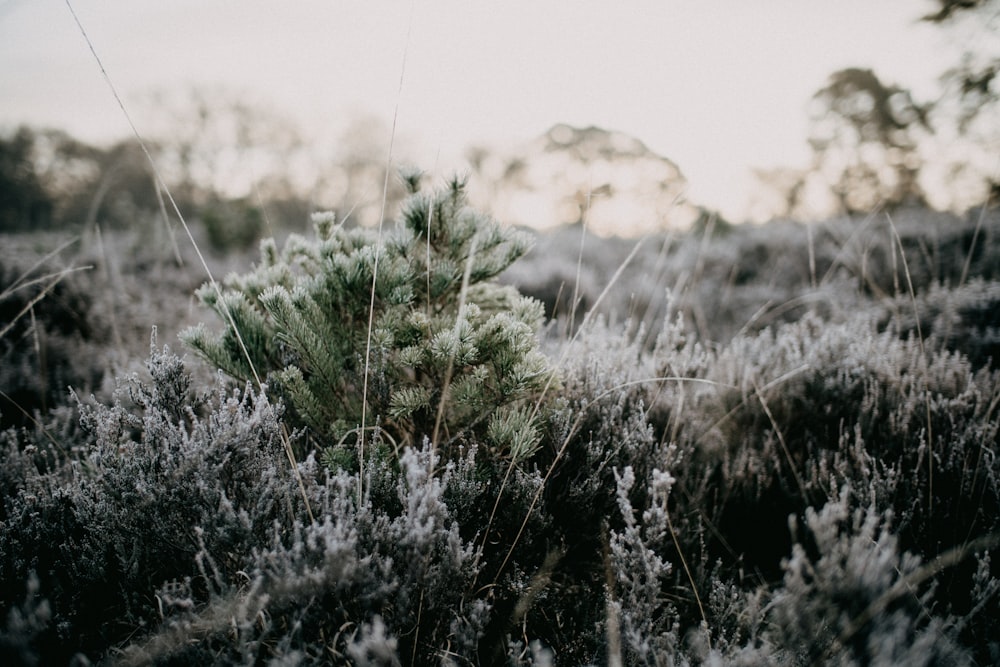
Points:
x=237 y=166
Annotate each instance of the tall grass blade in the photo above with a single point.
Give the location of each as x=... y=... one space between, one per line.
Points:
x=215 y=285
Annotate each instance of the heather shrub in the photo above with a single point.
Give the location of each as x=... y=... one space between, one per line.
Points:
x=232 y=225
x=597 y=425
x=180 y=516
x=177 y=533
x=799 y=395
x=601 y=423
x=963 y=319
x=815 y=407
x=855 y=599
x=362 y=584
x=646 y=622
x=129 y=510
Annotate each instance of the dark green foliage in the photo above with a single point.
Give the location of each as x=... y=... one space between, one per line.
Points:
x=446 y=352
x=232 y=225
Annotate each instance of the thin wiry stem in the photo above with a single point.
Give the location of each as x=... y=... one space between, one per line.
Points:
x=575 y=302
x=541 y=397
x=56 y=278
x=923 y=359
x=781 y=441
x=466 y=277
x=378 y=248
x=37 y=424
x=972 y=245
x=187 y=230
x=684 y=564
x=19 y=282
x=613 y=628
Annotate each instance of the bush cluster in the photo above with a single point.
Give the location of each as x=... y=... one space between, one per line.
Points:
x=822 y=489
x=732 y=279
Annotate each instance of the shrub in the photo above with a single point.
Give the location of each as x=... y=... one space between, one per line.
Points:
x=232 y=225
x=858 y=600
x=107 y=526
x=814 y=407
x=963 y=319
x=361 y=584
x=175 y=534
x=431 y=347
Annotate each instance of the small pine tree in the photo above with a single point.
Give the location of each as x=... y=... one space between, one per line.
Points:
x=439 y=350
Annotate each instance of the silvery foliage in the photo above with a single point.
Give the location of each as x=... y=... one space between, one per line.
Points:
x=648 y=623
x=855 y=599
x=180 y=515
x=381 y=587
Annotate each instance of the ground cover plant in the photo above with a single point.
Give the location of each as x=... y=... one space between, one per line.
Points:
x=756 y=445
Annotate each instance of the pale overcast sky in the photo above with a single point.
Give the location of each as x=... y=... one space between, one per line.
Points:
x=717 y=86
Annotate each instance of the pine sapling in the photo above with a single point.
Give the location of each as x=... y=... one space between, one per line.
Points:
x=451 y=355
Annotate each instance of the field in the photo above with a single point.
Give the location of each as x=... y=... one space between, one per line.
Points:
x=746 y=445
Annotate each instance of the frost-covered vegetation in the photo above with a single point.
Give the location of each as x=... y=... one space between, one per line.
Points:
x=746 y=445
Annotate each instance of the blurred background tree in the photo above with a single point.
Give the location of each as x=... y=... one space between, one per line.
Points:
x=233 y=166
x=865 y=138
x=877 y=144
x=969 y=108
x=50 y=180
x=24 y=201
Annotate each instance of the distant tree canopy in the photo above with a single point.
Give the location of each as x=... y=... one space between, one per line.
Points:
x=876 y=144
x=947 y=9
x=49 y=179
x=865 y=137
x=235 y=166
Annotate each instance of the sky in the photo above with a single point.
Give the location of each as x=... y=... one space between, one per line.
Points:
x=718 y=86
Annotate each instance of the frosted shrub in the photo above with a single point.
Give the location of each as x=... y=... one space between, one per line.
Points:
x=362 y=583
x=179 y=515
x=106 y=527
x=859 y=601
x=445 y=353
x=815 y=406
x=647 y=621
x=817 y=491
x=964 y=319
x=603 y=421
